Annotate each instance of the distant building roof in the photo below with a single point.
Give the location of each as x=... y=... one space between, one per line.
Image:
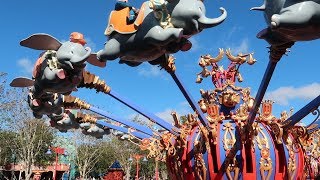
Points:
x=115 y=166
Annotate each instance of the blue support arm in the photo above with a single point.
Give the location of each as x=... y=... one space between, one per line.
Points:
x=295 y=118
x=138 y=127
x=262 y=89
x=164 y=124
x=189 y=98
x=122 y=129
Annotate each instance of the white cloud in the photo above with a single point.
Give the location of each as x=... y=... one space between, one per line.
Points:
x=26 y=65
x=90 y=44
x=232 y=31
x=195 y=43
x=242 y=48
x=283 y=95
x=166 y=115
x=182 y=109
x=150 y=71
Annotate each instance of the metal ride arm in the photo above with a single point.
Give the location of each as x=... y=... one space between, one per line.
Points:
x=92 y=81
x=262 y=90
x=122 y=129
x=170 y=67
x=164 y=124
x=73 y=102
x=138 y=127
x=189 y=98
x=276 y=53
x=295 y=118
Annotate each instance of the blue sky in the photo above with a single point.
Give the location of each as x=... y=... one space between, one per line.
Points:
x=295 y=82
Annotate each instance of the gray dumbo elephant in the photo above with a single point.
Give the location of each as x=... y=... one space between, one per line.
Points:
x=94 y=130
x=59 y=69
x=66 y=122
x=50 y=104
x=290 y=21
x=161 y=27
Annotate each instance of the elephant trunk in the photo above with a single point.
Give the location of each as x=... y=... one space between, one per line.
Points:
x=82 y=59
x=205 y=22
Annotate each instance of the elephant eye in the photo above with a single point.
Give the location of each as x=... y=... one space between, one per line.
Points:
x=200 y=9
x=71 y=52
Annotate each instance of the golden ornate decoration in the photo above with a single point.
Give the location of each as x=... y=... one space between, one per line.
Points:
x=277 y=130
x=207 y=98
x=284 y=115
x=176 y=119
x=222 y=78
x=152 y=145
x=265 y=160
x=71 y=102
x=213 y=120
x=169 y=64
x=299 y=131
x=241 y=115
x=214 y=116
x=232 y=167
x=248 y=100
x=265 y=164
x=83 y=118
x=228 y=142
x=205 y=136
x=261 y=138
x=229 y=98
x=291 y=160
x=266 y=112
x=202 y=105
x=200 y=167
x=92 y=81
x=207 y=60
x=240 y=58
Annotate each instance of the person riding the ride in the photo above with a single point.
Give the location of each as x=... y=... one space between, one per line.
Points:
x=121 y=4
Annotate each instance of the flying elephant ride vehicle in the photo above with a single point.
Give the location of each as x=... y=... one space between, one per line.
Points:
x=229 y=134
x=160 y=28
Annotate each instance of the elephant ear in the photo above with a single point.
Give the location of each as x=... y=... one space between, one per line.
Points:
x=41 y=42
x=21 y=82
x=92 y=59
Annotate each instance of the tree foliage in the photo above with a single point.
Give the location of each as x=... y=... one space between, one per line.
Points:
x=25 y=140
x=21 y=136
x=6 y=147
x=87 y=153
x=32 y=139
x=13 y=106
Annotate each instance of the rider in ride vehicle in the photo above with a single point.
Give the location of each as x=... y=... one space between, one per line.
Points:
x=120 y=4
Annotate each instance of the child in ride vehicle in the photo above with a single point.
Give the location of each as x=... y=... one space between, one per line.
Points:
x=120 y=4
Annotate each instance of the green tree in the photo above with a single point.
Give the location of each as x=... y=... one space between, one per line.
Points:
x=13 y=106
x=32 y=139
x=88 y=151
x=21 y=135
x=6 y=151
